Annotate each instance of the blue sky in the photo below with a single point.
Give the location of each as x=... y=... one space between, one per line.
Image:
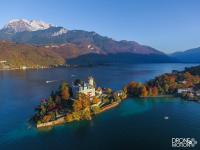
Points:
x=168 y=25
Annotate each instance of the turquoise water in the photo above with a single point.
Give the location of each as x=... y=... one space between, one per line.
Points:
x=135 y=124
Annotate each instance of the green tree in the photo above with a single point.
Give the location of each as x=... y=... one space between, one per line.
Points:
x=108 y=91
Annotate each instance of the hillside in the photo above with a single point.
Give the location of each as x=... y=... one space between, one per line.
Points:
x=191 y=55
x=76 y=46
x=18 y=55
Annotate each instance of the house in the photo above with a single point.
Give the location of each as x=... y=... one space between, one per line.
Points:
x=183 y=82
x=119 y=93
x=184 y=90
x=87 y=88
x=197 y=93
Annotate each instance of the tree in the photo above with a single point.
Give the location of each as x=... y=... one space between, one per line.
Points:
x=46 y=118
x=108 y=91
x=69 y=117
x=76 y=116
x=50 y=103
x=64 y=91
x=95 y=100
x=144 y=91
x=58 y=99
x=134 y=88
x=166 y=88
x=86 y=114
x=154 y=91
x=125 y=89
x=77 y=82
x=187 y=76
x=53 y=95
x=96 y=109
x=43 y=109
x=84 y=99
x=77 y=106
x=106 y=100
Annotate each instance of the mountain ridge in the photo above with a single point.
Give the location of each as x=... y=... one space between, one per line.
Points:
x=72 y=44
x=190 y=56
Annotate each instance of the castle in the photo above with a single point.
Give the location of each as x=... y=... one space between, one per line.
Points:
x=87 y=88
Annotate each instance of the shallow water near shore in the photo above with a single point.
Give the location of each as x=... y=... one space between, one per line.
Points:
x=134 y=124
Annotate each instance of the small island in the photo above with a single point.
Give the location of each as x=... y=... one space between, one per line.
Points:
x=82 y=100
x=79 y=101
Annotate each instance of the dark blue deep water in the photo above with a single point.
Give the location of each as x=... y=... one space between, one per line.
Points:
x=135 y=124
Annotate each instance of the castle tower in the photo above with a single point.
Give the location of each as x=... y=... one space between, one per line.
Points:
x=91 y=81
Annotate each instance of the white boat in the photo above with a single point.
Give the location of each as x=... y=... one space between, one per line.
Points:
x=49 y=81
x=166 y=117
x=73 y=75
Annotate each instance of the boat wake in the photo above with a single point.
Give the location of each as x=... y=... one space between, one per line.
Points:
x=50 y=81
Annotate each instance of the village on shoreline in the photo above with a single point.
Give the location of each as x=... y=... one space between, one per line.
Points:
x=83 y=99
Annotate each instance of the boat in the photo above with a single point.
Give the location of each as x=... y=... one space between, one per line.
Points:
x=50 y=81
x=166 y=117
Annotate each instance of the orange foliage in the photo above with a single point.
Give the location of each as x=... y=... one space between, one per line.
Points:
x=65 y=93
x=154 y=91
x=77 y=106
x=144 y=91
x=95 y=100
x=82 y=102
x=46 y=118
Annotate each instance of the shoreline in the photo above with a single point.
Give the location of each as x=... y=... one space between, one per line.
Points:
x=158 y=96
x=62 y=120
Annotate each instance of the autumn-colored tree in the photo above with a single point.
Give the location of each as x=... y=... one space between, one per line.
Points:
x=154 y=91
x=81 y=103
x=85 y=100
x=46 y=118
x=69 y=117
x=86 y=114
x=134 y=88
x=77 y=106
x=187 y=76
x=64 y=91
x=144 y=91
x=95 y=100
x=76 y=116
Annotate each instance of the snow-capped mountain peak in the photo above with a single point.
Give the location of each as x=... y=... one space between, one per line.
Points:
x=20 y=25
x=60 y=32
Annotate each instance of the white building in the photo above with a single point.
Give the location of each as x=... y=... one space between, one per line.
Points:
x=184 y=90
x=198 y=93
x=87 y=88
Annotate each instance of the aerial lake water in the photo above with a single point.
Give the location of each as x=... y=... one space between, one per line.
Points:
x=135 y=124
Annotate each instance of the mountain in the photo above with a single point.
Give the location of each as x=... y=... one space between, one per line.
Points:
x=20 y=25
x=119 y=58
x=77 y=44
x=190 y=56
x=18 y=55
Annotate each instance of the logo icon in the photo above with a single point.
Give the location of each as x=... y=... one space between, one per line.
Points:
x=184 y=142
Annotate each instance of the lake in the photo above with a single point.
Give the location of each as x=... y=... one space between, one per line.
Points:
x=136 y=124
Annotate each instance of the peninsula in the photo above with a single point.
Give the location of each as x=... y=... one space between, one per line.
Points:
x=184 y=84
